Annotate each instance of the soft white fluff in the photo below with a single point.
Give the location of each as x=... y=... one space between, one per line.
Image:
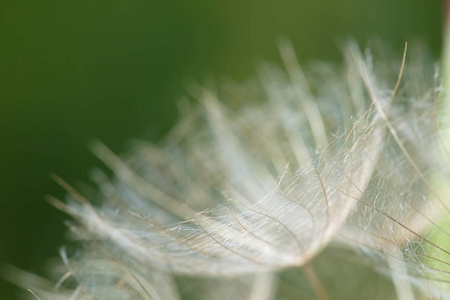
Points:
x=336 y=159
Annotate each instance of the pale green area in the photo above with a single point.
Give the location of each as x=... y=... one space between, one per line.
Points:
x=74 y=70
x=439 y=232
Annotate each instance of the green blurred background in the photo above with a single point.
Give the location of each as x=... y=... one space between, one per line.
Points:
x=71 y=71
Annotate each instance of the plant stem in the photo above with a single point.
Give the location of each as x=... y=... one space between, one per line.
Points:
x=315 y=282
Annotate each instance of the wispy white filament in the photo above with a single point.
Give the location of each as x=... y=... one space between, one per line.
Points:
x=336 y=160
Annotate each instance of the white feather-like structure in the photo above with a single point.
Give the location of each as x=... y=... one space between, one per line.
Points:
x=336 y=159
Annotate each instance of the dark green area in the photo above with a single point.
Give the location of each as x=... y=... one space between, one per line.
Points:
x=71 y=71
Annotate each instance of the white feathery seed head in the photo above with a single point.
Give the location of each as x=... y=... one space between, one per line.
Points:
x=350 y=160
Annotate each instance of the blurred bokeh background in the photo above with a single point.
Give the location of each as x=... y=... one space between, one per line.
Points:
x=71 y=71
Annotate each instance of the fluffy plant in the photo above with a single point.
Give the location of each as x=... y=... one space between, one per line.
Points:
x=330 y=183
